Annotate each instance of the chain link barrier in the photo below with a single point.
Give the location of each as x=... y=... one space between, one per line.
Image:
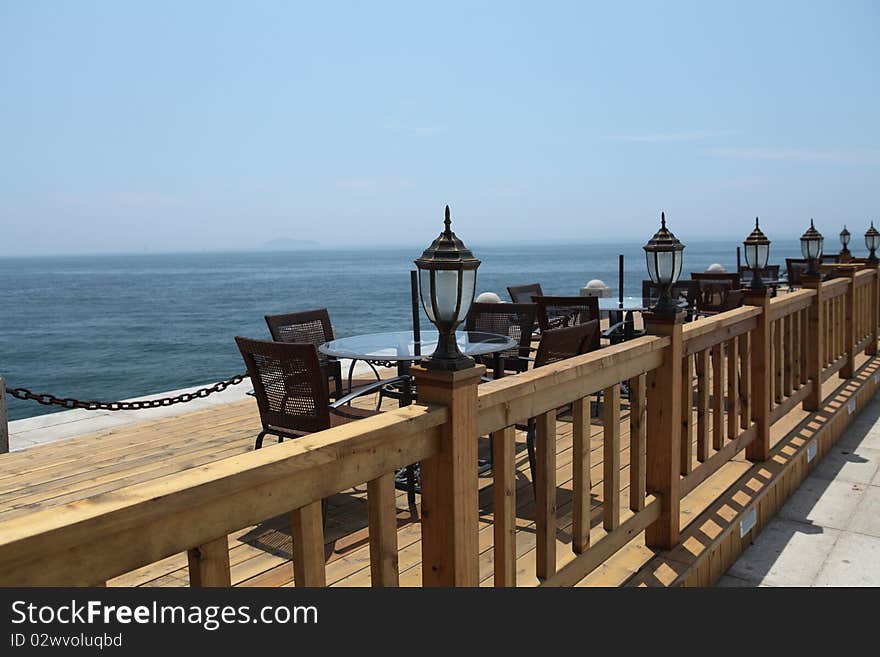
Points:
x=47 y=399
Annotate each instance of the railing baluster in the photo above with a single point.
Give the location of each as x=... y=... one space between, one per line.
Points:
x=849 y=327
x=637 y=426
x=307 y=529
x=795 y=351
x=778 y=365
x=581 y=483
x=504 y=509
x=611 y=458
x=732 y=389
x=209 y=564
x=702 y=366
x=873 y=311
x=687 y=415
x=745 y=382
x=382 y=519
x=545 y=497
x=814 y=349
x=718 y=396
x=786 y=355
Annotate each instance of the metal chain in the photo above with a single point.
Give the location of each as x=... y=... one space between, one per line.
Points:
x=47 y=399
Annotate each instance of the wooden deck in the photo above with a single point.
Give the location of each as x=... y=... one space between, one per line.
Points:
x=55 y=474
x=727 y=413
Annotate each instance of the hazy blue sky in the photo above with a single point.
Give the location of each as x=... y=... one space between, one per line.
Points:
x=148 y=126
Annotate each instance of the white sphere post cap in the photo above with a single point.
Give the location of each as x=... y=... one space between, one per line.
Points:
x=488 y=297
x=595 y=283
x=715 y=268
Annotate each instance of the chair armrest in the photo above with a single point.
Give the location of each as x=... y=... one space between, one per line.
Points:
x=364 y=390
x=611 y=330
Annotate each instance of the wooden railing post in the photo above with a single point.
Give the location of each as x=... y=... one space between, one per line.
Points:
x=849 y=322
x=4 y=419
x=663 y=439
x=449 y=480
x=874 y=306
x=760 y=373
x=815 y=343
x=209 y=564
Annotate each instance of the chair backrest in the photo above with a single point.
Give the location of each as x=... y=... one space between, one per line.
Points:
x=716 y=276
x=306 y=327
x=288 y=384
x=794 y=268
x=566 y=342
x=514 y=320
x=718 y=295
x=830 y=258
x=524 y=293
x=769 y=273
x=557 y=312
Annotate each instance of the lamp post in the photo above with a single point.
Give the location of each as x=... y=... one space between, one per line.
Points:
x=811 y=248
x=872 y=241
x=663 y=256
x=447 y=281
x=757 y=249
x=845 y=255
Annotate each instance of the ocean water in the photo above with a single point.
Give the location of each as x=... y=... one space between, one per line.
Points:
x=112 y=327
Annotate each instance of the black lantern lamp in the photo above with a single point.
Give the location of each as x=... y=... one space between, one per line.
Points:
x=872 y=241
x=757 y=248
x=663 y=255
x=447 y=281
x=845 y=255
x=811 y=248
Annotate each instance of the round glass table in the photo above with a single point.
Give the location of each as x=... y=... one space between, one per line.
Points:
x=401 y=346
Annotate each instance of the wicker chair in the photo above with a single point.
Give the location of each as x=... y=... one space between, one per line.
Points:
x=560 y=312
x=524 y=293
x=558 y=344
x=291 y=392
x=309 y=327
x=511 y=319
x=718 y=297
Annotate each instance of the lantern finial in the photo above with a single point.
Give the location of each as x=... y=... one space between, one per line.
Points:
x=447 y=222
x=756 y=223
x=662 y=220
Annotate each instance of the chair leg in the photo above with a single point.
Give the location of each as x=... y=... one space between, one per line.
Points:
x=411 y=485
x=530 y=447
x=259 y=442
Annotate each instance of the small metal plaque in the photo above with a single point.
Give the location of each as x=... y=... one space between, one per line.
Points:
x=750 y=519
x=811 y=451
x=851 y=406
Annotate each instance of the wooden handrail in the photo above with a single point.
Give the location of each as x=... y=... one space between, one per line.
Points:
x=834 y=288
x=709 y=331
x=787 y=304
x=510 y=400
x=113 y=533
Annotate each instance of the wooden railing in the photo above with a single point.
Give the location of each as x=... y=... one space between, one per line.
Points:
x=540 y=394
x=698 y=395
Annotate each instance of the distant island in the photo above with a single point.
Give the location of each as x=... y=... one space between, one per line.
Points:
x=288 y=244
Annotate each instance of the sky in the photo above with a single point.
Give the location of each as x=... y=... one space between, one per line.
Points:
x=176 y=126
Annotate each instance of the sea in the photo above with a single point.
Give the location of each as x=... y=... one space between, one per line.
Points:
x=111 y=327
